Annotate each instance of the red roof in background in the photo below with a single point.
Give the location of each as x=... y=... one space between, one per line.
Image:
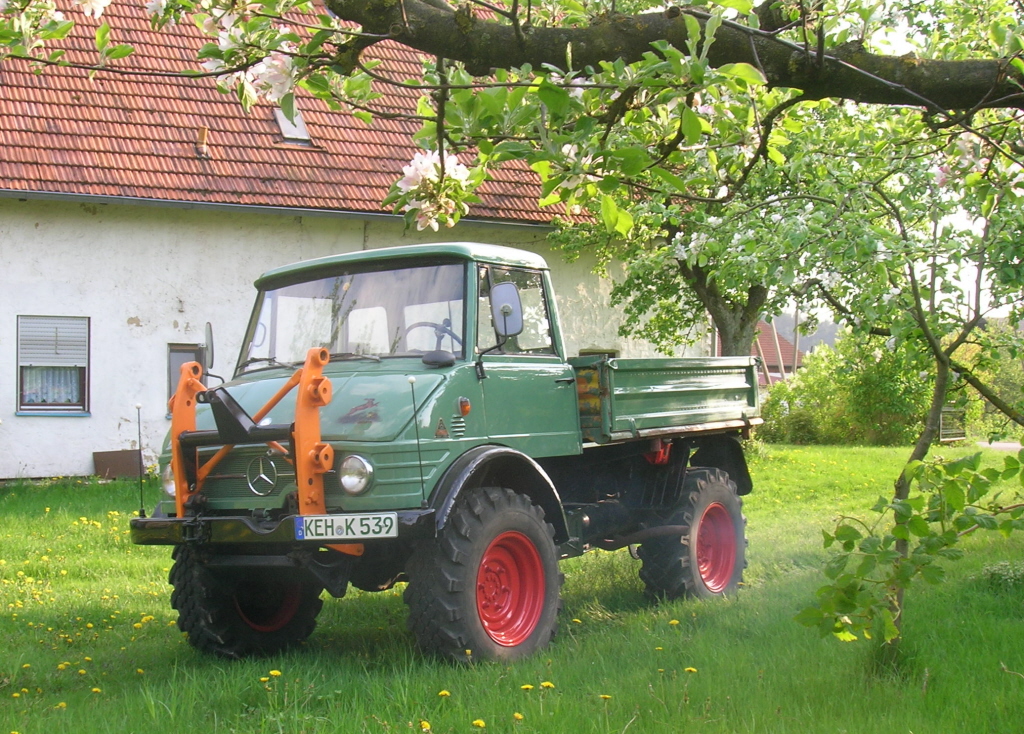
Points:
x=766 y=341
x=135 y=136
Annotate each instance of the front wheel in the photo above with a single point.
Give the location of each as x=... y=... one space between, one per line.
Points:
x=239 y=613
x=708 y=560
x=489 y=583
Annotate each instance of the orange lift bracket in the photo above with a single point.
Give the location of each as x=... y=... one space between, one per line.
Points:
x=313 y=456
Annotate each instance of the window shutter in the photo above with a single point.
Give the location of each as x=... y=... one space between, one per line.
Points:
x=53 y=341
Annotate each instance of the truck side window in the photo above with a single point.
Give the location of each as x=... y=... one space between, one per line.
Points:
x=536 y=335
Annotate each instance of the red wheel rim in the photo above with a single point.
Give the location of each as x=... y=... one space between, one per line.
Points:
x=510 y=589
x=716 y=547
x=270 y=609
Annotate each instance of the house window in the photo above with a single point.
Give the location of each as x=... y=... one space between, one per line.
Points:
x=177 y=355
x=292 y=131
x=53 y=365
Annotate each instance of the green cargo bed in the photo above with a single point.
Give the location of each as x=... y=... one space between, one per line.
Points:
x=624 y=399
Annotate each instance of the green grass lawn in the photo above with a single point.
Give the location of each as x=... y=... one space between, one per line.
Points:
x=89 y=642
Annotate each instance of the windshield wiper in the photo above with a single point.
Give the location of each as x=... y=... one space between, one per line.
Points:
x=353 y=355
x=271 y=362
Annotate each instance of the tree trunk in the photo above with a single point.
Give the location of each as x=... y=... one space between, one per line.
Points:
x=734 y=317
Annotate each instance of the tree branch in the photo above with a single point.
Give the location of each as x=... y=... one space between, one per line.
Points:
x=847 y=71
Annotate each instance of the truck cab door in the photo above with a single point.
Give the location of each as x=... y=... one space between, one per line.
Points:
x=529 y=389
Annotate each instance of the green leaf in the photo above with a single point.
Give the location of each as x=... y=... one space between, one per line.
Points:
x=691 y=126
x=120 y=51
x=632 y=160
x=848 y=533
x=554 y=98
x=363 y=116
x=933 y=573
x=609 y=213
x=288 y=106
x=744 y=71
x=743 y=6
x=919 y=526
x=890 y=632
x=102 y=36
x=624 y=224
x=669 y=178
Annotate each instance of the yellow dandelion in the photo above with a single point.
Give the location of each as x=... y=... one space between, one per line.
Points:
x=577 y=621
x=264 y=679
x=61 y=705
x=673 y=622
x=479 y=723
x=526 y=687
x=517 y=716
x=96 y=690
x=604 y=697
x=15 y=695
x=62 y=666
x=424 y=725
x=140 y=671
x=275 y=673
x=659 y=648
x=81 y=672
x=690 y=670
x=547 y=684
x=88 y=659
x=137 y=625
x=26 y=666
x=88 y=625
x=661 y=670
x=444 y=694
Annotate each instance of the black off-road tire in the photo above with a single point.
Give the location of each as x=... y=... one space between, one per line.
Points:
x=708 y=560
x=239 y=613
x=489 y=583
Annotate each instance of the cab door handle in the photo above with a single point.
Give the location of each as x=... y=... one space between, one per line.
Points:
x=566 y=380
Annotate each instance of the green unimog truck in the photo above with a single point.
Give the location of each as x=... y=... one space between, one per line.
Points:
x=409 y=414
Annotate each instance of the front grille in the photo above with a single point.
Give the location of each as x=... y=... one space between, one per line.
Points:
x=228 y=478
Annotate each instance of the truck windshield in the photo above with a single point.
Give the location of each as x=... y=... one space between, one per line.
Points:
x=361 y=314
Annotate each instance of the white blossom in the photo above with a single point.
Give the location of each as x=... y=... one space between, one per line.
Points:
x=93 y=8
x=274 y=76
x=156 y=7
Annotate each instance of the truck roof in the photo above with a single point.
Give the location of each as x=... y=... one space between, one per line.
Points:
x=476 y=251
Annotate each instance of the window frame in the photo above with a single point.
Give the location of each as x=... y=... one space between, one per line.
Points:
x=80 y=361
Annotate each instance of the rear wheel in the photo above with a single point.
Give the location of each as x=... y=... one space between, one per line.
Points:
x=707 y=560
x=489 y=583
x=239 y=613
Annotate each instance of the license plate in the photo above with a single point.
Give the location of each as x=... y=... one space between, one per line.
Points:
x=347 y=527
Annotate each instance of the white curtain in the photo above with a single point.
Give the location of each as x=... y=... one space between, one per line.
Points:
x=51 y=386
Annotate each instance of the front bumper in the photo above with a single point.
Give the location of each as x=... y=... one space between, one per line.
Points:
x=412 y=525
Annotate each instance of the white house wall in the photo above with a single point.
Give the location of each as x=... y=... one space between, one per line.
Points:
x=149 y=276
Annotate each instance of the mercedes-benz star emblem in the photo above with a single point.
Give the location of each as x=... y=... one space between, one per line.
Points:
x=261 y=476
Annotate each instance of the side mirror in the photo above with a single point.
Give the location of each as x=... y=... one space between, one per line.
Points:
x=506 y=310
x=208 y=348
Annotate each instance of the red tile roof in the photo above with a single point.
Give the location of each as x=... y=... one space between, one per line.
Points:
x=766 y=340
x=135 y=136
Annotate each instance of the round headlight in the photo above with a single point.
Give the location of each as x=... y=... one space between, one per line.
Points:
x=355 y=474
x=167 y=478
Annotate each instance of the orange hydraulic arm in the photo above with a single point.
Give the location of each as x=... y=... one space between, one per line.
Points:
x=313 y=457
